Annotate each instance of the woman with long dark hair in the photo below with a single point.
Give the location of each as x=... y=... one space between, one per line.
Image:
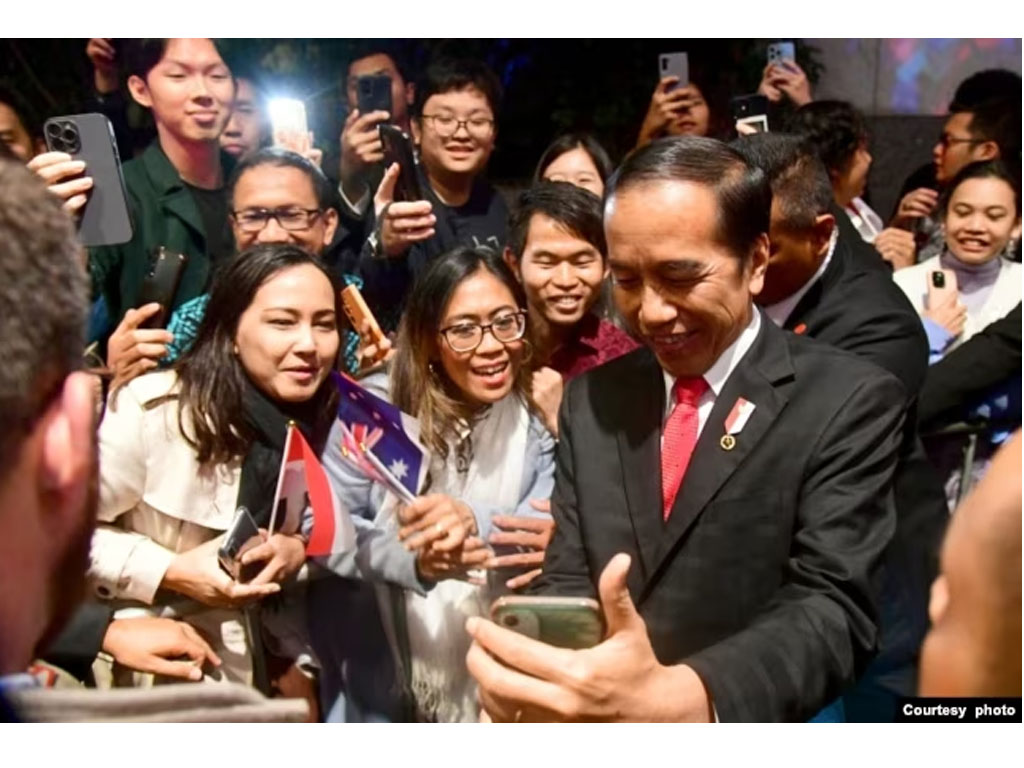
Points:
x=459 y=369
x=184 y=448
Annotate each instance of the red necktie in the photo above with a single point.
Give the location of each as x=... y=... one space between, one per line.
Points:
x=680 y=437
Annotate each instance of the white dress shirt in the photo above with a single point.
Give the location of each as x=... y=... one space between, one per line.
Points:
x=718 y=373
x=780 y=311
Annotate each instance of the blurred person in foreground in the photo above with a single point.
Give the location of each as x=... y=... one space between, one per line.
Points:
x=974 y=646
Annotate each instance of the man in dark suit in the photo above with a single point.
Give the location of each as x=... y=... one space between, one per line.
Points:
x=819 y=285
x=754 y=548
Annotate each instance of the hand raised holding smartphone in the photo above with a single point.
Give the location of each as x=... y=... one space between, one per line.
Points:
x=402 y=224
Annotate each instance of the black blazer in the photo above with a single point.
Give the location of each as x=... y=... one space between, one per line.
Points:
x=760 y=578
x=857 y=307
x=967 y=373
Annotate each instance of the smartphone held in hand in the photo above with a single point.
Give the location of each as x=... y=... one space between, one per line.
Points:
x=783 y=50
x=161 y=284
x=674 y=65
x=242 y=536
x=105 y=219
x=750 y=111
x=398 y=149
x=287 y=120
x=373 y=93
x=565 y=622
x=942 y=287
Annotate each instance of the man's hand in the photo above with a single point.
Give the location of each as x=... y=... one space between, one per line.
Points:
x=785 y=80
x=546 y=387
x=666 y=108
x=915 y=205
x=283 y=553
x=950 y=314
x=896 y=246
x=360 y=148
x=404 y=223
x=530 y=532
x=150 y=644
x=619 y=680
x=131 y=350
x=55 y=168
x=198 y=575
x=103 y=56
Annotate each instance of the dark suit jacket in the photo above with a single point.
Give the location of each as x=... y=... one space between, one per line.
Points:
x=760 y=580
x=968 y=372
x=857 y=307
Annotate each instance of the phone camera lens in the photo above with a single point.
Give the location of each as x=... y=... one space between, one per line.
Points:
x=53 y=130
x=510 y=621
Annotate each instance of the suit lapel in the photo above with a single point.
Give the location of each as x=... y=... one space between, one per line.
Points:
x=756 y=379
x=812 y=299
x=639 y=441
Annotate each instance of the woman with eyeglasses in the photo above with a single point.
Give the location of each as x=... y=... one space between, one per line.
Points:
x=459 y=368
x=455 y=126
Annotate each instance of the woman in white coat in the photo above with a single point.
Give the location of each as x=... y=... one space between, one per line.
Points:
x=181 y=450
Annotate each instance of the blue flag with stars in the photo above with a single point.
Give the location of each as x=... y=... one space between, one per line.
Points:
x=380 y=428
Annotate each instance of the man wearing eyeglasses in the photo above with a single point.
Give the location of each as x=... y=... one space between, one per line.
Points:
x=274 y=196
x=983 y=124
x=455 y=125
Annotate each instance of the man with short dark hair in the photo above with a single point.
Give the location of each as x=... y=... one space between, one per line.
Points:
x=275 y=196
x=176 y=187
x=556 y=248
x=752 y=551
x=818 y=285
x=455 y=116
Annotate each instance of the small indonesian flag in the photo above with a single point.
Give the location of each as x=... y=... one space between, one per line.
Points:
x=303 y=483
x=739 y=416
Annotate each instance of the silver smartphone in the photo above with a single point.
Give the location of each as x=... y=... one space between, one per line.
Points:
x=674 y=64
x=783 y=50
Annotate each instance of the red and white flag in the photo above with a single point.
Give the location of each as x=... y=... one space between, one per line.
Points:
x=301 y=484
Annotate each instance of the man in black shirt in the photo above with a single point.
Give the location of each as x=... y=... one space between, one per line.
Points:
x=455 y=126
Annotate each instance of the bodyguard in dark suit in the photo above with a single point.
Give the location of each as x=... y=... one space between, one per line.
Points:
x=819 y=285
x=754 y=575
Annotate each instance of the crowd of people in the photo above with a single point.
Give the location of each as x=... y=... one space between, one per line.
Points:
x=705 y=383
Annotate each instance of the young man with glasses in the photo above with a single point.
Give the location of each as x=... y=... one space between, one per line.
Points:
x=983 y=124
x=274 y=196
x=455 y=125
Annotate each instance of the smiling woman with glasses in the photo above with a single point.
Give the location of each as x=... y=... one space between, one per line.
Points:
x=459 y=370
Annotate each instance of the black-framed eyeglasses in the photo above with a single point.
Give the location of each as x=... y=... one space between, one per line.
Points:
x=945 y=140
x=447 y=126
x=292 y=218
x=467 y=336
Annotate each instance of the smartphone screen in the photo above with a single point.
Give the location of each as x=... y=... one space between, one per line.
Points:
x=287 y=118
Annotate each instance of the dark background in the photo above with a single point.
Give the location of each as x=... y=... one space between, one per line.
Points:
x=551 y=86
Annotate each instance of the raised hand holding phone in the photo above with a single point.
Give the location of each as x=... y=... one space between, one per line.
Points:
x=402 y=224
x=619 y=679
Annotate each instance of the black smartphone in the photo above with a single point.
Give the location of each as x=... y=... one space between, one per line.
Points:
x=160 y=284
x=751 y=110
x=242 y=536
x=89 y=137
x=398 y=149
x=373 y=92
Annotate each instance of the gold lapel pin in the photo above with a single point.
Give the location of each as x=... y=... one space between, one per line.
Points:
x=728 y=442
